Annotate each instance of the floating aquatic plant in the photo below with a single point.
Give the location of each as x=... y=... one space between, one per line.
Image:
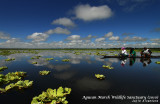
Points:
x=107 y=66
x=11 y=76
x=10 y=59
x=36 y=57
x=52 y=96
x=49 y=59
x=99 y=76
x=44 y=72
x=3 y=68
x=65 y=60
x=158 y=62
x=34 y=62
x=20 y=84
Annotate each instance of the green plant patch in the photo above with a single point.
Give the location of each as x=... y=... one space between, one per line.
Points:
x=158 y=62
x=49 y=59
x=52 y=96
x=99 y=76
x=107 y=67
x=44 y=72
x=11 y=76
x=34 y=62
x=20 y=85
x=10 y=59
x=66 y=60
x=36 y=57
x=3 y=68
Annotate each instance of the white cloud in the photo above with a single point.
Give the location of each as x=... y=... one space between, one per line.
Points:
x=73 y=37
x=89 y=37
x=133 y=39
x=100 y=39
x=108 y=34
x=4 y=35
x=12 y=40
x=64 y=21
x=155 y=40
x=88 y=13
x=58 y=30
x=114 y=38
x=37 y=37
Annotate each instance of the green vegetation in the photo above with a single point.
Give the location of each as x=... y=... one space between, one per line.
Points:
x=66 y=60
x=158 y=62
x=49 y=59
x=34 y=62
x=36 y=57
x=3 y=68
x=52 y=96
x=11 y=76
x=10 y=59
x=99 y=76
x=107 y=66
x=20 y=84
x=6 y=52
x=44 y=72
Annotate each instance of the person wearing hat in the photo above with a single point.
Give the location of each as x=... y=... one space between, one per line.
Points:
x=146 y=52
x=123 y=52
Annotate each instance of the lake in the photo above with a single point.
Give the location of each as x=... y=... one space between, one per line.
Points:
x=131 y=80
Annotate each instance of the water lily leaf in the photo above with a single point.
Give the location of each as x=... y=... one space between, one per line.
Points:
x=10 y=86
x=2 y=90
x=158 y=62
x=44 y=72
x=34 y=101
x=99 y=76
x=53 y=102
x=60 y=92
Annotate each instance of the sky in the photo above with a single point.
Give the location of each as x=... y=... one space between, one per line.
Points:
x=79 y=23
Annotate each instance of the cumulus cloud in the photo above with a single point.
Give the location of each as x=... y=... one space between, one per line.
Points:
x=114 y=38
x=89 y=13
x=73 y=37
x=4 y=35
x=89 y=37
x=133 y=39
x=155 y=40
x=64 y=21
x=12 y=40
x=37 y=37
x=100 y=39
x=58 y=30
x=108 y=34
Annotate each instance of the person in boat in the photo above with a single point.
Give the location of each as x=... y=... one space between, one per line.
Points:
x=132 y=53
x=123 y=52
x=146 y=52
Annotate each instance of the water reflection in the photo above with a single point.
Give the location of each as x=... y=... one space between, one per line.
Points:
x=92 y=84
x=132 y=61
x=145 y=61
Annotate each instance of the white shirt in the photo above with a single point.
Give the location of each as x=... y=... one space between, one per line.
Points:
x=124 y=52
x=146 y=51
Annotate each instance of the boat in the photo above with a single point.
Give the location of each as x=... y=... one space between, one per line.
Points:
x=130 y=57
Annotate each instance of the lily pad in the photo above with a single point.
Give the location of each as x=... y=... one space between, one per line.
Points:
x=10 y=59
x=44 y=72
x=49 y=59
x=65 y=60
x=34 y=62
x=99 y=76
x=3 y=68
x=107 y=67
x=158 y=62
x=11 y=76
x=52 y=96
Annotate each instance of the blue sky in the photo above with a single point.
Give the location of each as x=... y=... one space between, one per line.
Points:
x=79 y=23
